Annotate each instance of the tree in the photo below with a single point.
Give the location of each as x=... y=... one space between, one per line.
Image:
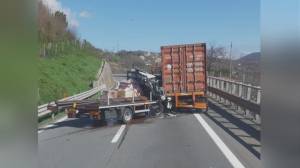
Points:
x=215 y=58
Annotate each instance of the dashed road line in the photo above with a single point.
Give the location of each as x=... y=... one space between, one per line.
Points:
x=118 y=134
x=62 y=119
x=222 y=146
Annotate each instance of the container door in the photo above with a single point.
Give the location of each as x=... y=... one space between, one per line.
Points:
x=195 y=68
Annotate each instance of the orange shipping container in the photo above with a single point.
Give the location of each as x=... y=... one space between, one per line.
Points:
x=184 y=75
x=184 y=68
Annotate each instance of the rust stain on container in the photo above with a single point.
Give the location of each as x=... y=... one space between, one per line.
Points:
x=184 y=68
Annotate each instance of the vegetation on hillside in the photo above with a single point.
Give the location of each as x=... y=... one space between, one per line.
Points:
x=66 y=64
x=66 y=74
x=123 y=60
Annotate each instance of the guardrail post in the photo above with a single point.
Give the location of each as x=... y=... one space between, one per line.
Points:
x=108 y=103
x=221 y=88
x=230 y=90
x=211 y=85
x=258 y=97
x=249 y=93
x=258 y=100
x=257 y=118
x=208 y=84
x=226 y=90
x=132 y=94
x=233 y=92
x=248 y=97
x=217 y=87
x=214 y=86
x=231 y=84
x=240 y=93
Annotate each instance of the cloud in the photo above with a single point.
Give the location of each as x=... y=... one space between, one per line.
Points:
x=85 y=14
x=54 y=6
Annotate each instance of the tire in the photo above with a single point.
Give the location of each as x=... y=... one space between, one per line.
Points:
x=127 y=115
x=103 y=117
x=156 y=109
x=153 y=110
x=205 y=110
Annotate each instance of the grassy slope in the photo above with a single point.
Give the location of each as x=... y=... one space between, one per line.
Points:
x=66 y=74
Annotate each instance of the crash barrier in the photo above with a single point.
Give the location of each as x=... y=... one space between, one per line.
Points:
x=244 y=97
x=43 y=111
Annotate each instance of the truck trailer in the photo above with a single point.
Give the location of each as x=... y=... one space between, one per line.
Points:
x=184 y=75
x=124 y=108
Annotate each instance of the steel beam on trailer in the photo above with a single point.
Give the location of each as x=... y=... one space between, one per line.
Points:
x=130 y=104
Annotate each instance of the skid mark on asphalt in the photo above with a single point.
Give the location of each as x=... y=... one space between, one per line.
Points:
x=84 y=130
x=81 y=131
x=52 y=125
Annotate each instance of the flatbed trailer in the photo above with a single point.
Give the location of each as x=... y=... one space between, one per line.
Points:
x=99 y=109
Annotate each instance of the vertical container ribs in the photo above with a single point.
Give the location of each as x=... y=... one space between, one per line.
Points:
x=184 y=74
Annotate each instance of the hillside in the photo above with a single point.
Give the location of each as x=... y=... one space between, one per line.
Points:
x=66 y=65
x=66 y=75
x=250 y=58
x=124 y=60
x=249 y=67
x=244 y=69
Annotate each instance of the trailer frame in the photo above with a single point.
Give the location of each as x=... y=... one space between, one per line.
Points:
x=120 y=108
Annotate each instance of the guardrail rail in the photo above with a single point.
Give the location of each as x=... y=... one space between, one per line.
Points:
x=243 y=96
x=43 y=111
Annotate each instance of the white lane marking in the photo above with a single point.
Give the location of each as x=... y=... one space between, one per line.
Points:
x=118 y=134
x=51 y=125
x=171 y=115
x=62 y=119
x=222 y=146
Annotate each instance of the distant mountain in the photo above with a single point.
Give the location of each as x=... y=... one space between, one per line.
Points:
x=250 y=58
x=249 y=65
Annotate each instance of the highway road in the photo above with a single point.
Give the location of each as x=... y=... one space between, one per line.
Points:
x=220 y=138
x=171 y=142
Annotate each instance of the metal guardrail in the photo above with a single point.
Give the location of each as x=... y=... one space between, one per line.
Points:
x=42 y=109
x=244 y=96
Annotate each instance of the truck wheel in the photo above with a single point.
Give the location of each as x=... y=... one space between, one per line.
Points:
x=127 y=115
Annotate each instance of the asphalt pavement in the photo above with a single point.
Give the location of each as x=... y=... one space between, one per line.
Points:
x=170 y=142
